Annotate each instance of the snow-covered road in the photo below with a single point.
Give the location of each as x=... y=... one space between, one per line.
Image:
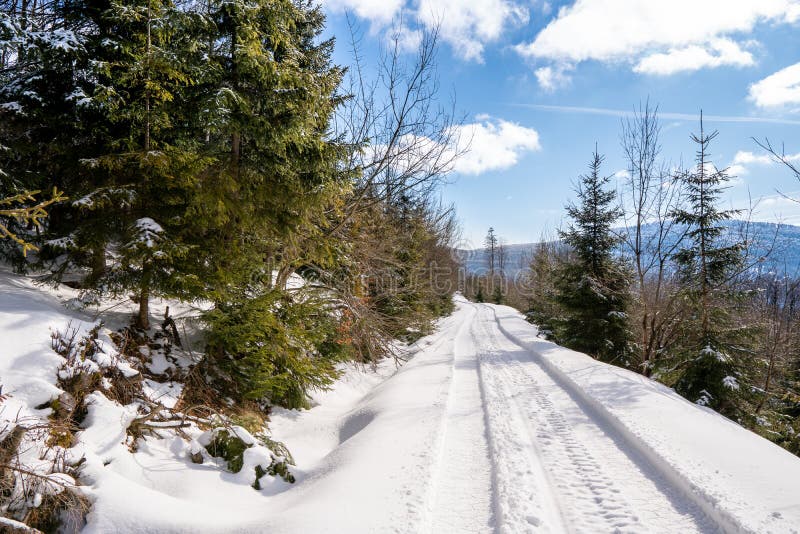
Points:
x=491 y=429
x=521 y=454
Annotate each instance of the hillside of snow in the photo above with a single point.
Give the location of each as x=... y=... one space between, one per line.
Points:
x=487 y=428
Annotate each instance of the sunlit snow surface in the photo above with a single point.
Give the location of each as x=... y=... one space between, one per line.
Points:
x=487 y=428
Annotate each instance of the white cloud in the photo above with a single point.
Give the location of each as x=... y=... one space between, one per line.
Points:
x=488 y=144
x=494 y=144
x=466 y=25
x=778 y=208
x=408 y=39
x=778 y=89
x=551 y=78
x=654 y=35
x=616 y=29
x=379 y=12
x=737 y=170
x=716 y=53
x=744 y=158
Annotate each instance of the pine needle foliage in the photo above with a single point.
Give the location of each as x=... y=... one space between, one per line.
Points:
x=196 y=142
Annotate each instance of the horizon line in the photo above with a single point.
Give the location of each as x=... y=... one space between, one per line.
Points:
x=780 y=222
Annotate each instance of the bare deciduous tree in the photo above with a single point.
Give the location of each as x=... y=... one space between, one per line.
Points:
x=502 y=257
x=650 y=236
x=399 y=143
x=775 y=304
x=402 y=141
x=780 y=156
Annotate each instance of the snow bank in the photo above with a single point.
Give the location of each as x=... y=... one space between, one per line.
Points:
x=743 y=481
x=316 y=432
x=28 y=366
x=370 y=470
x=363 y=452
x=28 y=373
x=155 y=489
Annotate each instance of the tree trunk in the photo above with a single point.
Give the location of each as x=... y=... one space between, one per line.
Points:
x=98 y=265
x=770 y=369
x=143 y=317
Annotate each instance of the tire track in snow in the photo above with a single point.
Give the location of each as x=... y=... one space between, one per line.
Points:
x=418 y=503
x=608 y=481
x=462 y=496
x=579 y=479
x=523 y=501
x=588 y=497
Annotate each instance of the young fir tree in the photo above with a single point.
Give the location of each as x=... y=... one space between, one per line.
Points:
x=125 y=164
x=493 y=251
x=150 y=160
x=490 y=248
x=96 y=91
x=710 y=376
x=497 y=293
x=277 y=348
x=543 y=310
x=593 y=288
x=479 y=296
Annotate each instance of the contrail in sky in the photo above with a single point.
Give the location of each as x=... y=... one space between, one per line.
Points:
x=664 y=115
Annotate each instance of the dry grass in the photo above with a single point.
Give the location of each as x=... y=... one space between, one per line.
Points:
x=33 y=495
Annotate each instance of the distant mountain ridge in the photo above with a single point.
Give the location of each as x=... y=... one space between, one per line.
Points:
x=777 y=244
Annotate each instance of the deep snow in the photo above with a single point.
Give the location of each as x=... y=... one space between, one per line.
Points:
x=487 y=428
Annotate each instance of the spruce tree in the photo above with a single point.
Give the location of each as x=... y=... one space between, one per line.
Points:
x=710 y=376
x=96 y=120
x=47 y=124
x=276 y=348
x=156 y=164
x=490 y=248
x=479 y=296
x=593 y=287
x=497 y=294
x=260 y=110
x=543 y=310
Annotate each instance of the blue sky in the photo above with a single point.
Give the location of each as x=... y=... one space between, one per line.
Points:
x=541 y=82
